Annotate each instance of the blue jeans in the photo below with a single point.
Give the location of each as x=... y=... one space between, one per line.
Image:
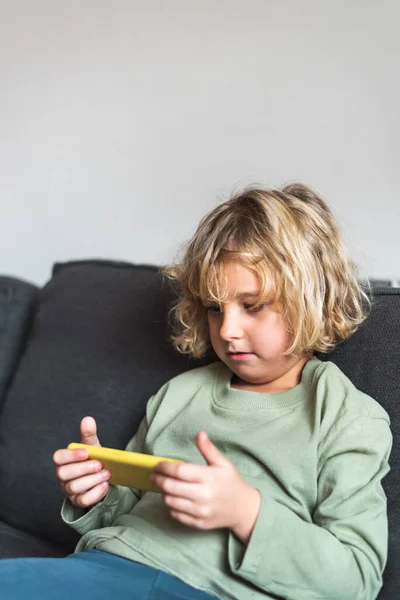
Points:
x=92 y=575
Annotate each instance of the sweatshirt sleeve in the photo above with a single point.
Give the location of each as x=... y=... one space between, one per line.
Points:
x=119 y=500
x=341 y=553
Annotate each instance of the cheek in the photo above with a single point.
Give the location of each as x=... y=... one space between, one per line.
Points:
x=272 y=334
x=213 y=329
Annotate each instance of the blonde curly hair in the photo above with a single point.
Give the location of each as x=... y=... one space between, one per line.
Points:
x=291 y=240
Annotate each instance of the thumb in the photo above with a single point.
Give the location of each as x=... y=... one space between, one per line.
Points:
x=89 y=432
x=210 y=452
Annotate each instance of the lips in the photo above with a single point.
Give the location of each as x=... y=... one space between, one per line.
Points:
x=240 y=355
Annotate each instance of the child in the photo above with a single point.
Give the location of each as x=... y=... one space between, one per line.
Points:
x=280 y=495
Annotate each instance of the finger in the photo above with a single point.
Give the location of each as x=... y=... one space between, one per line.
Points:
x=186 y=506
x=65 y=456
x=88 y=429
x=184 y=471
x=91 y=497
x=74 y=470
x=176 y=487
x=81 y=485
x=210 y=452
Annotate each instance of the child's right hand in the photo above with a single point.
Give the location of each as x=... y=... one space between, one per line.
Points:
x=83 y=482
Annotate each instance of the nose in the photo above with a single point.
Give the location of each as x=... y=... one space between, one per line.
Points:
x=231 y=327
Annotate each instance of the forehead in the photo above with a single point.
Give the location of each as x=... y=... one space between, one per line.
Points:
x=241 y=279
x=234 y=280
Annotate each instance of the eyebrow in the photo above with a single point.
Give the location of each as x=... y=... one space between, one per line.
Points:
x=244 y=295
x=248 y=295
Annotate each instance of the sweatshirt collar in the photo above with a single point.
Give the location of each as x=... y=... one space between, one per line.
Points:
x=227 y=397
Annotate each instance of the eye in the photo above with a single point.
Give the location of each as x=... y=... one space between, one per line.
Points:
x=256 y=309
x=213 y=309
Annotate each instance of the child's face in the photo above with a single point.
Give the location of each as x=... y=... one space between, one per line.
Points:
x=260 y=337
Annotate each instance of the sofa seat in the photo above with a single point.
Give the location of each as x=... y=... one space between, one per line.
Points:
x=16 y=543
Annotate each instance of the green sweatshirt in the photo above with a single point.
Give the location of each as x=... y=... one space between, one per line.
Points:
x=317 y=454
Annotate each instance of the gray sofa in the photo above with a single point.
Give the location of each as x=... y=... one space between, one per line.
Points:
x=94 y=341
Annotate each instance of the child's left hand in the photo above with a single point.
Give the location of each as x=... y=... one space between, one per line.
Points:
x=209 y=496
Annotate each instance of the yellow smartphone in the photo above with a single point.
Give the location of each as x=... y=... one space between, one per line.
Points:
x=130 y=469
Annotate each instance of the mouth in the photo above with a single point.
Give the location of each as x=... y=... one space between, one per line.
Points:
x=240 y=355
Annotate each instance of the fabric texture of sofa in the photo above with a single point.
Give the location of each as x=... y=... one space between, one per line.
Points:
x=94 y=341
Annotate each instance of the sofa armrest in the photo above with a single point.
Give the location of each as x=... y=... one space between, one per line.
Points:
x=17 y=303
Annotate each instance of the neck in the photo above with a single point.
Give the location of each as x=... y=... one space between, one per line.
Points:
x=284 y=382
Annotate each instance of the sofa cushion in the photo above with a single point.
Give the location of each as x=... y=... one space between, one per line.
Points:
x=18 y=544
x=98 y=347
x=17 y=301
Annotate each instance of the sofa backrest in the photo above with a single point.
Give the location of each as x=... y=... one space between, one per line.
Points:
x=371 y=359
x=98 y=346
x=17 y=304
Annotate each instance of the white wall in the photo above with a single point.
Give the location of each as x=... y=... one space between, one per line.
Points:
x=123 y=121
